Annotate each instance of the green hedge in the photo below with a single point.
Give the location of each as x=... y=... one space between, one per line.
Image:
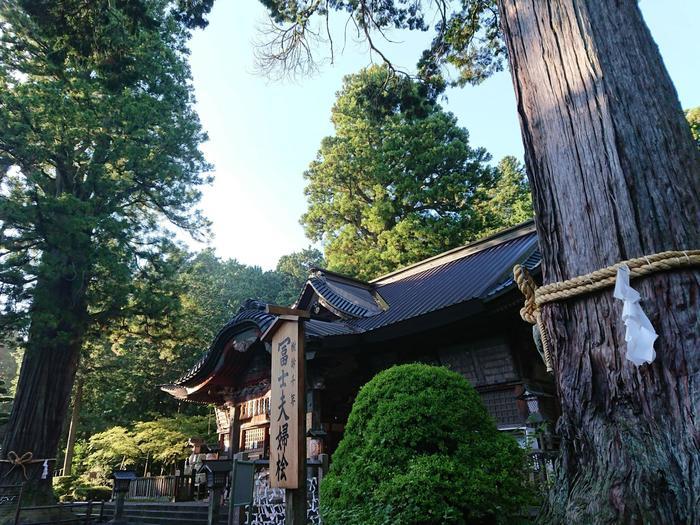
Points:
x=92 y=493
x=63 y=487
x=420 y=448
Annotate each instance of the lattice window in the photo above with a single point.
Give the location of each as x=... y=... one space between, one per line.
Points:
x=254 y=438
x=503 y=407
x=223 y=419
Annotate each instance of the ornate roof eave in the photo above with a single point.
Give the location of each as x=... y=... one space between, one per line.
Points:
x=251 y=322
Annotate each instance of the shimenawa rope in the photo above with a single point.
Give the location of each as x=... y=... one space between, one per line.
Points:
x=536 y=296
x=20 y=461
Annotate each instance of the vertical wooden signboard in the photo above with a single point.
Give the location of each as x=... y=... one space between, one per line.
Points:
x=285 y=401
x=288 y=410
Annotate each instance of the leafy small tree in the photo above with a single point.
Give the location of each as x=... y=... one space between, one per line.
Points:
x=165 y=440
x=154 y=444
x=110 y=450
x=419 y=447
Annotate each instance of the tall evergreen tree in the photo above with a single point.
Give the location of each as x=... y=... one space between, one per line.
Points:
x=398 y=181
x=294 y=269
x=98 y=149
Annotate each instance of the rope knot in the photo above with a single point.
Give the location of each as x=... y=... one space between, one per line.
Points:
x=527 y=287
x=19 y=461
x=536 y=297
x=530 y=312
x=16 y=460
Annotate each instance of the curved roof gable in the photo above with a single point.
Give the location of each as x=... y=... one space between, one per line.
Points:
x=346 y=297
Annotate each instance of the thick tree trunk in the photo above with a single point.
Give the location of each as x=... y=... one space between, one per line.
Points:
x=615 y=175
x=58 y=324
x=73 y=428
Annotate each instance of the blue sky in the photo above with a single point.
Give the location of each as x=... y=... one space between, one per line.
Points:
x=263 y=134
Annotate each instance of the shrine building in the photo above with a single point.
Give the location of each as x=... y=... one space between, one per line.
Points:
x=459 y=309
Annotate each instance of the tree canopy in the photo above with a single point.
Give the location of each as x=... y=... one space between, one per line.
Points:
x=96 y=148
x=399 y=181
x=99 y=158
x=157 y=444
x=295 y=268
x=466 y=35
x=194 y=295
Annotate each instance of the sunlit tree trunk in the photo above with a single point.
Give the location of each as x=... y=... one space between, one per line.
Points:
x=73 y=428
x=615 y=175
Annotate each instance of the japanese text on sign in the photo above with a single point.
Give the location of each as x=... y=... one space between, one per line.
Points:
x=284 y=431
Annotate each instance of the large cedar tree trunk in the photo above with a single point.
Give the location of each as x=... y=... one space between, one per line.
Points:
x=614 y=175
x=58 y=324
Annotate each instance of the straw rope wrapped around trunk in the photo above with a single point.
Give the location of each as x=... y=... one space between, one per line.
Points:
x=536 y=297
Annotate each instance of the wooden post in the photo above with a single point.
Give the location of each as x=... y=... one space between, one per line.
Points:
x=233 y=431
x=119 y=508
x=72 y=430
x=323 y=469
x=234 y=514
x=214 y=505
x=288 y=410
x=295 y=512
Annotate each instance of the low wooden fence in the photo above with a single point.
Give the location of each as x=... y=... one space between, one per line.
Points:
x=76 y=513
x=172 y=488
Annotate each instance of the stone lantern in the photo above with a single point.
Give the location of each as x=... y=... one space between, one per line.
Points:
x=122 y=480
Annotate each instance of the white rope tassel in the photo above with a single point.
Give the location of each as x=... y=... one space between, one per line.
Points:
x=639 y=333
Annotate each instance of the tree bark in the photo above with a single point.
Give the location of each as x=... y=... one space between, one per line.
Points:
x=72 y=429
x=615 y=175
x=58 y=325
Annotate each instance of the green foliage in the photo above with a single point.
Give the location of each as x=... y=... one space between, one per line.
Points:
x=96 y=148
x=165 y=440
x=399 y=182
x=419 y=447
x=162 y=443
x=466 y=34
x=110 y=450
x=295 y=269
x=92 y=493
x=508 y=202
x=693 y=118
x=99 y=158
x=179 y=304
x=63 y=487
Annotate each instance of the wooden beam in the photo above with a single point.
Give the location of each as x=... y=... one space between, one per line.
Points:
x=283 y=310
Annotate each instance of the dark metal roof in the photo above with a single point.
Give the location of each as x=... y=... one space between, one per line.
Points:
x=319 y=329
x=480 y=272
x=472 y=276
x=348 y=299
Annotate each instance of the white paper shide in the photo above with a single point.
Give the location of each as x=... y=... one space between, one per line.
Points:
x=639 y=333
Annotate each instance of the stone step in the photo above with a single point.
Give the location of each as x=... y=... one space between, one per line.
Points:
x=165 y=514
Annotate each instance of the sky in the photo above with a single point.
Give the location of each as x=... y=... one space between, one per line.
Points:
x=263 y=133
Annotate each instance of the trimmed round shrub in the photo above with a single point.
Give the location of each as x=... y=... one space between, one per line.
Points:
x=420 y=448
